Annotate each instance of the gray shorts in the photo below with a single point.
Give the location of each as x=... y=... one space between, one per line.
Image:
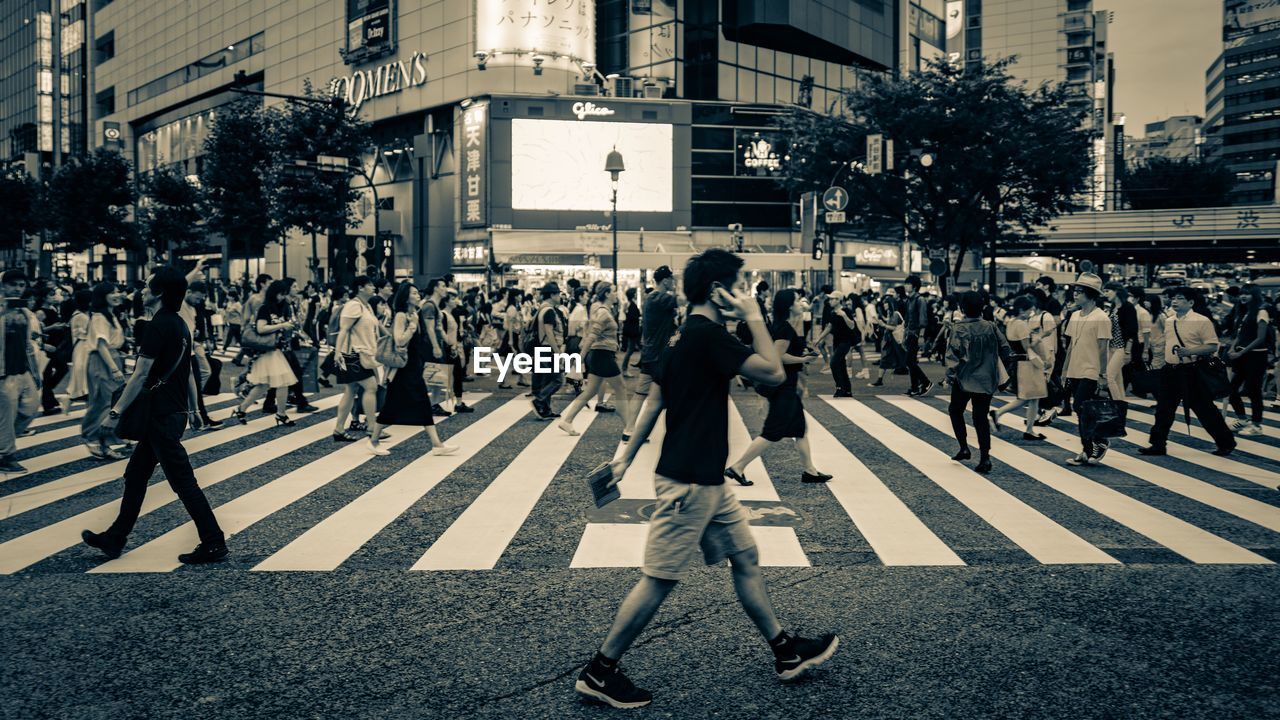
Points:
x=688 y=517
x=644 y=383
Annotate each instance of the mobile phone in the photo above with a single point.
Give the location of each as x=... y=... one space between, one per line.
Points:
x=715 y=299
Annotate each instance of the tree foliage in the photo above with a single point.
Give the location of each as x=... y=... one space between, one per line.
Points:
x=236 y=178
x=88 y=203
x=169 y=213
x=19 y=207
x=1006 y=158
x=1164 y=183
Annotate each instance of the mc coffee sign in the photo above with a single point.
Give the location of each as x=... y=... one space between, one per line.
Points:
x=563 y=27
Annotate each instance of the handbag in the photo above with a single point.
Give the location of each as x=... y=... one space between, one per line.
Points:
x=132 y=424
x=1210 y=371
x=255 y=342
x=390 y=355
x=1103 y=418
x=439 y=380
x=1032 y=384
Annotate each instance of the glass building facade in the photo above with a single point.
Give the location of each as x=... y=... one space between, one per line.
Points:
x=1242 y=108
x=44 y=79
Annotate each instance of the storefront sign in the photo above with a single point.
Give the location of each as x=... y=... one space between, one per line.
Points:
x=1243 y=19
x=875 y=254
x=370 y=30
x=583 y=110
x=386 y=79
x=470 y=253
x=564 y=27
x=758 y=154
x=547 y=259
x=474 y=164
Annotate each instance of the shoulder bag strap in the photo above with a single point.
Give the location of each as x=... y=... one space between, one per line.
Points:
x=173 y=369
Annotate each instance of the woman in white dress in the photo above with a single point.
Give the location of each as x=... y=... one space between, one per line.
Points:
x=78 y=384
x=270 y=370
x=104 y=370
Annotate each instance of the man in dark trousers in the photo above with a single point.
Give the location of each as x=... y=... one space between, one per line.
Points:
x=695 y=509
x=163 y=360
x=1188 y=337
x=917 y=321
x=658 y=324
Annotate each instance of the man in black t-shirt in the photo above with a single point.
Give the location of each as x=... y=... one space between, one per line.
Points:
x=163 y=368
x=658 y=323
x=695 y=509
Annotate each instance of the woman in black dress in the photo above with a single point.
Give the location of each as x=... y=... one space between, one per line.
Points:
x=785 y=418
x=408 y=402
x=630 y=332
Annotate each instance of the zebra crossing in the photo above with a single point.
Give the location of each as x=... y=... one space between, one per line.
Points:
x=894 y=492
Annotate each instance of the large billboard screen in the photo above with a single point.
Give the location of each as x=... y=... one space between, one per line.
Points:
x=559 y=165
x=510 y=26
x=1243 y=19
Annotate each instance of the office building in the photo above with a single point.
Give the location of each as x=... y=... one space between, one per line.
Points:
x=1242 y=100
x=1177 y=138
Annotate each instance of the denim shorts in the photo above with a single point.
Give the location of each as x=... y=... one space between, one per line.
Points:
x=689 y=517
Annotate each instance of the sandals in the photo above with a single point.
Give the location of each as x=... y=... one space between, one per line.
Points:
x=735 y=475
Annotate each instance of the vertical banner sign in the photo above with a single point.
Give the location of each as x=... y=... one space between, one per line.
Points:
x=875 y=157
x=474 y=149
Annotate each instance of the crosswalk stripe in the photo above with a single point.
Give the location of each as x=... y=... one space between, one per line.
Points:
x=26 y=550
x=896 y=535
x=1260 y=513
x=64 y=487
x=62 y=433
x=1271 y=415
x=477 y=539
x=1196 y=456
x=637 y=483
x=1270 y=452
x=1180 y=536
x=79 y=408
x=739 y=439
x=235 y=516
x=336 y=538
x=619 y=545
x=1040 y=537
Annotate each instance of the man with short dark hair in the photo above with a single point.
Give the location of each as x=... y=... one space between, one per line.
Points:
x=20 y=387
x=916 y=322
x=550 y=334
x=197 y=291
x=165 y=352
x=658 y=324
x=694 y=507
x=432 y=330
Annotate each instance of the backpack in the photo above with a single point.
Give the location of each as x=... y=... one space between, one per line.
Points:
x=529 y=336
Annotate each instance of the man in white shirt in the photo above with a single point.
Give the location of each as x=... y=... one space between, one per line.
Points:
x=1188 y=337
x=1088 y=335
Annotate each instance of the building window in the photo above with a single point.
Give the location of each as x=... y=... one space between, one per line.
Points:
x=224 y=58
x=105 y=47
x=105 y=102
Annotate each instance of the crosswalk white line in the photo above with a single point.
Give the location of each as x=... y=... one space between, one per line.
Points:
x=637 y=483
x=1040 y=537
x=739 y=439
x=1266 y=414
x=235 y=516
x=330 y=542
x=1181 y=537
x=26 y=550
x=896 y=535
x=77 y=409
x=477 y=539
x=1259 y=513
x=619 y=545
x=1270 y=452
x=1205 y=459
x=64 y=487
x=70 y=431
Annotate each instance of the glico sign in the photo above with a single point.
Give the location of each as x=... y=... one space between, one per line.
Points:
x=383 y=80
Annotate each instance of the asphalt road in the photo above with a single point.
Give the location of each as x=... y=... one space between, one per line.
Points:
x=1155 y=634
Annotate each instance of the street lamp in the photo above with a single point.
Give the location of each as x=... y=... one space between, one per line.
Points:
x=613 y=165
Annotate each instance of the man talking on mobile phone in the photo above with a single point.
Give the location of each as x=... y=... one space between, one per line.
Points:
x=695 y=509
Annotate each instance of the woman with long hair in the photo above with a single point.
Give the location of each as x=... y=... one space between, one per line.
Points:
x=1248 y=358
x=104 y=370
x=78 y=384
x=355 y=350
x=630 y=332
x=1029 y=332
x=270 y=370
x=601 y=344
x=785 y=418
x=408 y=400
x=974 y=348
x=893 y=356
x=512 y=327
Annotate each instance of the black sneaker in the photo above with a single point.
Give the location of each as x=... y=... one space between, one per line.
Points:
x=1220 y=451
x=211 y=424
x=605 y=408
x=843 y=394
x=9 y=466
x=1100 y=448
x=102 y=541
x=806 y=654
x=440 y=411
x=204 y=553
x=462 y=407
x=1152 y=451
x=925 y=390
x=612 y=687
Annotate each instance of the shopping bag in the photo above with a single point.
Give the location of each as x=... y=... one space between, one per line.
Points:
x=1101 y=418
x=439 y=379
x=1145 y=382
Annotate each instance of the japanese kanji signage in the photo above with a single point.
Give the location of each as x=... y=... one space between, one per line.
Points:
x=370 y=29
x=473 y=147
x=565 y=27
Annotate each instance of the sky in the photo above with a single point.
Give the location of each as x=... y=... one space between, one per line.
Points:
x=1162 y=49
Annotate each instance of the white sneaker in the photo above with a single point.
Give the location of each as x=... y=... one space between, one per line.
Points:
x=444 y=449
x=375 y=449
x=1239 y=426
x=1080 y=459
x=1250 y=429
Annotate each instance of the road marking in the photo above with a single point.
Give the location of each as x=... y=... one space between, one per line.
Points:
x=1040 y=537
x=1270 y=452
x=477 y=539
x=1178 y=535
x=336 y=538
x=64 y=487
x=618 y=545
x=637 y=483
x=1266 y=414
x=896 y=535
x=26 y=550
x=739 y=439
x=1259 y=513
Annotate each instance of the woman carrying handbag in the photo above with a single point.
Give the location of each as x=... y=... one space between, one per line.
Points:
x=408 y=401
x=356 y=365
x=104 y=371
x=271 y=370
